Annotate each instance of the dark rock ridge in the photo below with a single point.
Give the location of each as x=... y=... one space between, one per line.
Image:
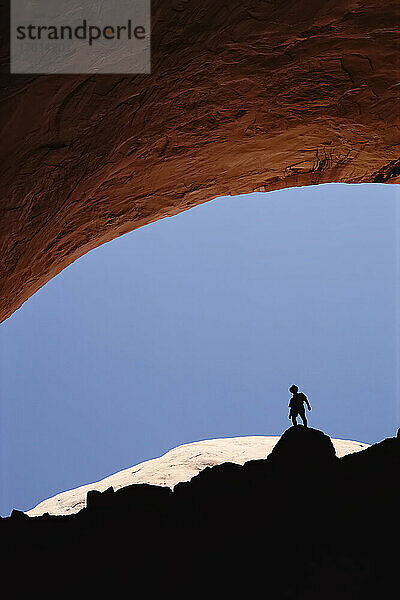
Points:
x=245 y=95
x=302 y=524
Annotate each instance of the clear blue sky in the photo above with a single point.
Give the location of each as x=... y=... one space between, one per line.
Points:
x=194 y=327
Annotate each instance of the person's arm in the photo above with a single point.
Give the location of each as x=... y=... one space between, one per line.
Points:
x=308 y=404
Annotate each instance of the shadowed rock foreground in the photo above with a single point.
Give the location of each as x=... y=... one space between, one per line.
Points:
x=300 y=524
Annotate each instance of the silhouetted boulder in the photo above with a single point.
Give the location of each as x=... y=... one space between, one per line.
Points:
x=18 y=514
x=303 y=447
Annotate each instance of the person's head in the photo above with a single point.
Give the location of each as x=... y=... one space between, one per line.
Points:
x=293 y=389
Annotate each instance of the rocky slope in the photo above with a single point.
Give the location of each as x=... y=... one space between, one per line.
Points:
x=244 y=95
x=178 y=465
x=301 y=524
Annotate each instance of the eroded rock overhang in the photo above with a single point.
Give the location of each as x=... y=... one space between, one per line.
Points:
x=243 y=96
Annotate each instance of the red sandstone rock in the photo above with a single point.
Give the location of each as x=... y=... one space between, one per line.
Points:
x=244 y=95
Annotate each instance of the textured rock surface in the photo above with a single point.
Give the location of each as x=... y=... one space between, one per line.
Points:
x=180 y=464
x=244 y=95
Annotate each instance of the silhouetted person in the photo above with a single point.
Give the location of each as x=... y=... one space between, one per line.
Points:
x=296 y=405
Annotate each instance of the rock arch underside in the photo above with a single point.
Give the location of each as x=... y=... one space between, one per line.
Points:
x=245 y=95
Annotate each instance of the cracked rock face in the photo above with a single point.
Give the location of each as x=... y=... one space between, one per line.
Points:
x=243 y=96
x=179 y=464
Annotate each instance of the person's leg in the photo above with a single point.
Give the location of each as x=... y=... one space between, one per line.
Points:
x=303 y=417
x=294 y=419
